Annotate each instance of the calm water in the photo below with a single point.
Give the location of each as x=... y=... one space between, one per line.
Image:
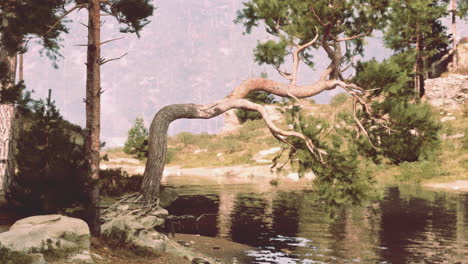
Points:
x=411 y=225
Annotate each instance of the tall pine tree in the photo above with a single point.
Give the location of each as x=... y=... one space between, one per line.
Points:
x=415 y=28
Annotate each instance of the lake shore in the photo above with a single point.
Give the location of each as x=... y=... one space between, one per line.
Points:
x=249 y=172
x=459 y=186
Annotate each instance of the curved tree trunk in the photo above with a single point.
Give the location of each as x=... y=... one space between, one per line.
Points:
x=157 y=146
x=157 y=140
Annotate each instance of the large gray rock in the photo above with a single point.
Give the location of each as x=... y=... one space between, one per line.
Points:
x=47 y=232
x=462 y=52
x=83 y=257
x=448 y=92
x=136 y=231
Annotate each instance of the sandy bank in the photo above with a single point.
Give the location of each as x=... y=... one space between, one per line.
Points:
x=460 y=186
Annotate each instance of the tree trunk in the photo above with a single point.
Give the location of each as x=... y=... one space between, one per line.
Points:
x=21 y=67
x=157 y=146
x=7 y=117
x=454 y=34
x=7 y=148
x=93 y=113
x=418 y=68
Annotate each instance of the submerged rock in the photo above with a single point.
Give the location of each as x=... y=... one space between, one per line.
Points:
x=200 y=261
x=167 y=197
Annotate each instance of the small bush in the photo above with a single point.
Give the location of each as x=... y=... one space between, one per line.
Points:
x=186 y=138
x=115 y=182
x=137 y=141
x=13 y=257
x=51 y=165
x=338 y=99
x=419 y=171
x=170 y=154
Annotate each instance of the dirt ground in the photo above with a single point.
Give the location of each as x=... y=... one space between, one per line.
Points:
x=222 y=249
x=227 y=251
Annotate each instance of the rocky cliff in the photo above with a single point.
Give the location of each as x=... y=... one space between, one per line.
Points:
x=451 y=90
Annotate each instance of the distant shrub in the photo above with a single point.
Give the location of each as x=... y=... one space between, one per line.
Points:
x=187 y=138
x=170 y=154
x=418 y=171
x=338 y=99
x=137 y=140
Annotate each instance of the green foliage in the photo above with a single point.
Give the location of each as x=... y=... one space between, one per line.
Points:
x=118 y=239
x=419 y=171
x=137 y=140
x=271 y=52
x=418 y=22
x=22 y=18
x=187 y=138
x=116 y=182
x=338 y=99
x=13 y=257
x=170 y=154
x=462 y=11
x=51 y=165
x=298 y=21
x=341 y=177
x=11 y=94
x=256 y=97
x=132 y=13
x=412 y=133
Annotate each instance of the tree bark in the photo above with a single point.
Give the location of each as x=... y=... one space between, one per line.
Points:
x=93 y=113
x=418 y=67
x=21 y=67
x=7 y=116
x=7 y=148
x=454 y=34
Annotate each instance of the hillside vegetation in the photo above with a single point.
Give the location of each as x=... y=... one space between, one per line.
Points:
x=252 y=144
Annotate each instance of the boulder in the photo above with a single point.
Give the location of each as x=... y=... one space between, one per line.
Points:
x=138 y=232
x=47 y=232
x=83 y=257
x=167 y=197
x=448 y=92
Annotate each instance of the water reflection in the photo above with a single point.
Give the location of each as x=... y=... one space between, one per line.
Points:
x=411 y=225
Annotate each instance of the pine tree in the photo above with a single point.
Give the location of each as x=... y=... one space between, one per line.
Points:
x=51 y=169
x=137 y=140
x=45 y=18
x=415 y=28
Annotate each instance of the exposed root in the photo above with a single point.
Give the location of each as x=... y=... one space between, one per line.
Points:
x=132 y=205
